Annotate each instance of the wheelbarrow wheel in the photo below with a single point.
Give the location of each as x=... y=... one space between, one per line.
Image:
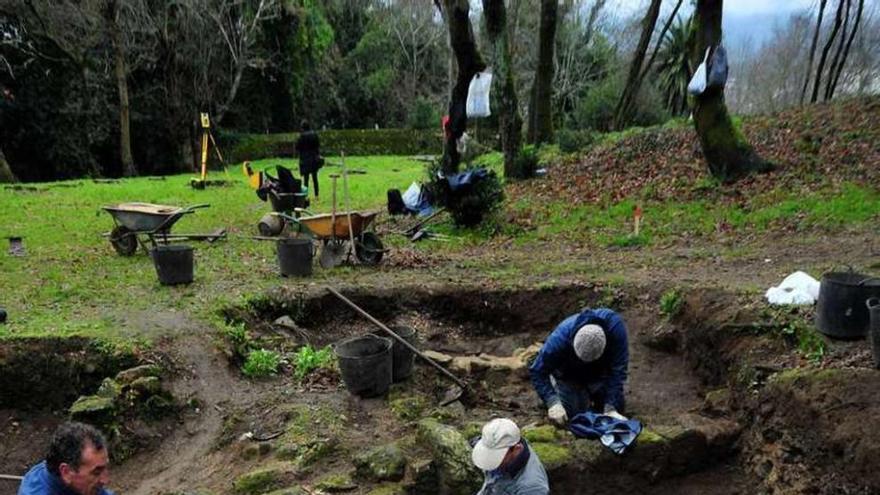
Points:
x=369 y=249
x=124 y=241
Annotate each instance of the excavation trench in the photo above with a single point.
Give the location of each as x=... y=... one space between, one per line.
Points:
x=487 y=338
x=728 y=406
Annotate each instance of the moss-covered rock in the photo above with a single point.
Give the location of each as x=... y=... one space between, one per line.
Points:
x=264 y=479
x=126 y=377
x=388 y=489
x=452 y=456
x=552 y=455
x=293 y=490
x=110 y=389
x=384 y=463
x=408 y=408
x=307 y=453
x=336 y=483
x=146 y=386
x=94 y=409
x=543 y=433
x=311 y=434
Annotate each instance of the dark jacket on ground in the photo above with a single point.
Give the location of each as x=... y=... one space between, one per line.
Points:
x=39 y=481
x=309 y=149
x=557 y=358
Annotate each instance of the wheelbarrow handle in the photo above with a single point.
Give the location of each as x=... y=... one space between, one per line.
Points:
x=390 y=332
x=189 y=209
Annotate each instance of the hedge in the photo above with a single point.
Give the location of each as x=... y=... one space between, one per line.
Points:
x=355 y=142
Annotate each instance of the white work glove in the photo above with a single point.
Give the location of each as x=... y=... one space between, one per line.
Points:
x=611 y=411
x=557 y=415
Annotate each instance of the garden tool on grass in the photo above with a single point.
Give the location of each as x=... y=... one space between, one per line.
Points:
x=453 y=394
x=333 y=252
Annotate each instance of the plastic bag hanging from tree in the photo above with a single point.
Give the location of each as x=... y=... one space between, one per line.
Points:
x=717 y=77
x=698 y=83
x=478 y=95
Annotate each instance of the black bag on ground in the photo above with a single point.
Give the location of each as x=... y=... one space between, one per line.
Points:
x=396 y=205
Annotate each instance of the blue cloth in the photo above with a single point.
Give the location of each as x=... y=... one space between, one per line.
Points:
x=526 y=476
x=604 y=376
x=462 y=179
x=615 y=434
x=39 y=481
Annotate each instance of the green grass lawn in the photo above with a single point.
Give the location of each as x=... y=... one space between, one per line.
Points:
x=72 y=282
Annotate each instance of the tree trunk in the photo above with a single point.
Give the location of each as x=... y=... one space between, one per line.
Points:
x=727 y=153
x=128 y=168
x=510 y=122
x=540 y=102
x=663 y=31
x=6 y=174
x=834 y=61
x=818 y=80
x=633 y=81
x=815 y=42
x=849 y=43
x=461 y=37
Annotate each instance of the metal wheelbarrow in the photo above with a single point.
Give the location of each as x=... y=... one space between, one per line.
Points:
x=133 y=220
x=334 y=231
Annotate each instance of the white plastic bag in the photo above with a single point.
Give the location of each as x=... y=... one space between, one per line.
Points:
x=411 y=196
x=797 y=288
x=698 y=82
x=478 y=95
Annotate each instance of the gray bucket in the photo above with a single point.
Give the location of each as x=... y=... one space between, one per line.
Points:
x=403 y=357
x=295 y=256
x=366 y=364
x=174 y=263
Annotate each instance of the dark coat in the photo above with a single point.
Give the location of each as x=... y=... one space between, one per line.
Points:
x=309 y=149
x=557 y=358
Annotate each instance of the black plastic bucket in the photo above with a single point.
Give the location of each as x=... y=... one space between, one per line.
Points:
x=295 y=256
x=873 y=305
x=403 y=358
x=174 y=263
x=841 y=310
x=365 y=363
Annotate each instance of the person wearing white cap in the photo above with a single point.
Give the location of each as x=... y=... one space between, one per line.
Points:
x=511 y=467
x=582 y=366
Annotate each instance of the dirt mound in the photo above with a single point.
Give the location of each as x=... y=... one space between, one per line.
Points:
x=817 y=145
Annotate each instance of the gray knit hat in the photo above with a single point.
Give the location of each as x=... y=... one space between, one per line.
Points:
x=589 y=343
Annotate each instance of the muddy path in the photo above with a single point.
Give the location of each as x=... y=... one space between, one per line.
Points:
x=209 y=389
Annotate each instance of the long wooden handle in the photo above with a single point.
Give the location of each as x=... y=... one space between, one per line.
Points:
x=348 y=206
x=387 y=330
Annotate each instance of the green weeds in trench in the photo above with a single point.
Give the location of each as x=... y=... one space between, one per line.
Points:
x=671 y=303
x=308 y=359
x=261 y=363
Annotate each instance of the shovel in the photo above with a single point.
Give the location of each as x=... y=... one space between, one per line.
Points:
x=452 y=394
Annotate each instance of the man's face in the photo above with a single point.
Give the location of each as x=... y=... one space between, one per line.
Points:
x=93 y=472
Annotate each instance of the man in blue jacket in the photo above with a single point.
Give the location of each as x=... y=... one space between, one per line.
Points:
x=582 y=366
x=77 y=464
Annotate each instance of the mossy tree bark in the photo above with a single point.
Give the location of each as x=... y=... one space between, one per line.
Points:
x=541 y=99
x=469 y=62
x=727 y=153
x=510 y=122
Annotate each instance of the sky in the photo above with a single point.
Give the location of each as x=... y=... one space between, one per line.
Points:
x=747 y=22
x=737 y=7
